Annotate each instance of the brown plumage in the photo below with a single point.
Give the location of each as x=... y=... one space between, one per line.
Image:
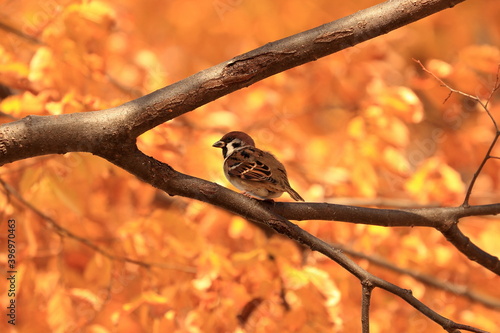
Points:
x=254 y=171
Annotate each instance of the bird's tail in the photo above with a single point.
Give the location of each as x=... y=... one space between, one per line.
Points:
x=295 y=196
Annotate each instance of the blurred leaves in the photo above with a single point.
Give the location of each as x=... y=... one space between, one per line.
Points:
x=363 y=123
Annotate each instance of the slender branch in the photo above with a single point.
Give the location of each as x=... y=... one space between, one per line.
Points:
x=484 y=105
x=19 y=33
x=452 y=232
x=496 y=87
x=473 y=252
x=480 y=168
x=366 y=294
x=434 y=217
x=63 y=232
x=164 y=177
x=441 y=218
x=424 y=278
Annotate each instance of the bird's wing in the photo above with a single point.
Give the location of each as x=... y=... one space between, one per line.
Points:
x=248 y=164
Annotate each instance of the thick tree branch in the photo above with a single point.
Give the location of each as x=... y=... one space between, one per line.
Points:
x=443 y=219
x=33 y=136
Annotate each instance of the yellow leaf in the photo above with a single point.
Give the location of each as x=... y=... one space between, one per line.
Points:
x=60 y=312
x=439 y=68
x=24 y=104
x=436 y=181
x=396 y=161
x=41 y=67
x=357 y=128
x=484 y=58
x=324 y=283
x=152 y=297
x=88 y=296
x=294 y=278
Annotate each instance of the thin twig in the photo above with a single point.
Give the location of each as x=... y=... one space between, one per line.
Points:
x=484 y=105
x=431 y=281
x=366 y=294
x=480 y=168
x=19 y=33
x=63 y=232
x=496 y=86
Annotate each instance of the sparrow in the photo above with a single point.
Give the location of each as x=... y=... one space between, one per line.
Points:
x=256 y=172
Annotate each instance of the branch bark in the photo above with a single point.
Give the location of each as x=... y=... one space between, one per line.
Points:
x=108 y=129
x=366 y=295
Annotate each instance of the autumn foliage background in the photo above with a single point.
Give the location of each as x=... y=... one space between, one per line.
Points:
x=363 y=126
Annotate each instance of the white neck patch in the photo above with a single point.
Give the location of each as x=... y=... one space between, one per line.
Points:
x=232 y=146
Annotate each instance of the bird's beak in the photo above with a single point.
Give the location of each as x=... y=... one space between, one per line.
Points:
x=219 y=144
